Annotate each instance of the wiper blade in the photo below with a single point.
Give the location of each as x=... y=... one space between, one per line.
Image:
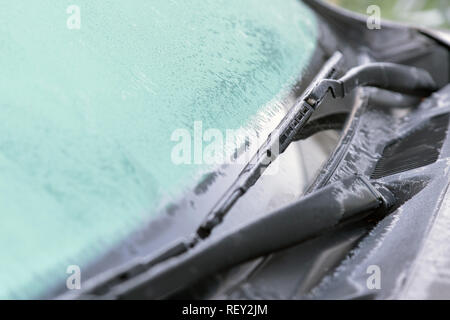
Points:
x=276 y=143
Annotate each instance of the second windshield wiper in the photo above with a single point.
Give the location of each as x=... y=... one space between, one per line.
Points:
x=351 y=199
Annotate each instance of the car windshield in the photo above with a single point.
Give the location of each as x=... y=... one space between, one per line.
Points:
x=90 y=98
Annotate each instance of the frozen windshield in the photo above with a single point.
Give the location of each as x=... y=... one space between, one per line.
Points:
x=90 y=96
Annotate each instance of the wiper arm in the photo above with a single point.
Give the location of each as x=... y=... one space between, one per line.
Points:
x=384 y=75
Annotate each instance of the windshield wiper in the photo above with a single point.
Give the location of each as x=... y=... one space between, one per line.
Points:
x=388 y=76
x=345 y=201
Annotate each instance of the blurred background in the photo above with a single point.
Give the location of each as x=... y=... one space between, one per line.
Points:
x=429 y=13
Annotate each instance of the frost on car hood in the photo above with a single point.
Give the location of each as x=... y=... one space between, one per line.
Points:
x=87 y=114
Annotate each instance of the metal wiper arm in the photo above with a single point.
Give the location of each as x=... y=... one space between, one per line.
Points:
x=384 y=75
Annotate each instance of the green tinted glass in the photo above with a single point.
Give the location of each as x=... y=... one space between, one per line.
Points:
x=87 y=114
